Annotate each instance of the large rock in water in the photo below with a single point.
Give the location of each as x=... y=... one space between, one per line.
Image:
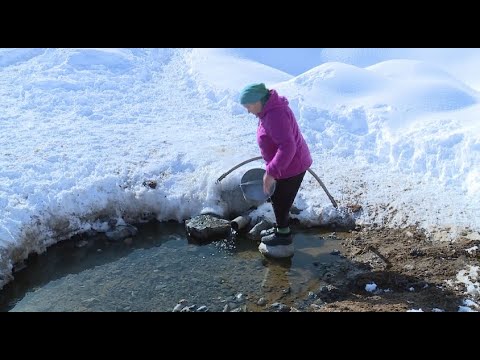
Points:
x=207 y=227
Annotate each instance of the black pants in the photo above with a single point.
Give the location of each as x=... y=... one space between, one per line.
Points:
x=283 y=197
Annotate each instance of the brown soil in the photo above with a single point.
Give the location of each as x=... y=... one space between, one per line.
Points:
x=415 y=269
x=416 y=272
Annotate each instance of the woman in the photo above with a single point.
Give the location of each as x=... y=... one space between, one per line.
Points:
x=287 y=159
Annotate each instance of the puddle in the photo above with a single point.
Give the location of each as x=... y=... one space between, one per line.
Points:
x=160 y=267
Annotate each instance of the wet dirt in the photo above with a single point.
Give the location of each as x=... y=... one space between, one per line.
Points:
x=403 y=270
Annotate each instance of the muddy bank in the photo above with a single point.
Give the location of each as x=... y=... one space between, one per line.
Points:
x=401 y=270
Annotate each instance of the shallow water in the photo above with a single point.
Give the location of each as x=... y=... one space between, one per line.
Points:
x=160 y=267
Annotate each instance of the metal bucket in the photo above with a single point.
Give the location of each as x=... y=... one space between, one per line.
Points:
x=252 y=186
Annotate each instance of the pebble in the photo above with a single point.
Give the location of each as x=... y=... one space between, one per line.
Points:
x=261 y=302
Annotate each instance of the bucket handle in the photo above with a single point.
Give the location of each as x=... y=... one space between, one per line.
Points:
x=334 y=203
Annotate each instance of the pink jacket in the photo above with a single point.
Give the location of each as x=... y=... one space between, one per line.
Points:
x=281 y=143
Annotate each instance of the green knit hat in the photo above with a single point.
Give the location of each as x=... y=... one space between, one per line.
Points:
x=253 y=93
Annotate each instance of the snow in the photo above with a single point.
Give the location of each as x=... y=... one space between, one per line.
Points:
x=470 y=279
x=464 y=309
x=217 y=68
x=461 y=63
x=82 y=129
x=470 y=303
x=472 y=250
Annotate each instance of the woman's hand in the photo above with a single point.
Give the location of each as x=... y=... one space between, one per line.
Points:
x=268 y=182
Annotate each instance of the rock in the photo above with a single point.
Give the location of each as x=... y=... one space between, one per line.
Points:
x=319 y=302
x=232 y=305
x=152 y=184
x=326 y=288
x=254 y=233
x=472 y=251
x=180 y=305
x=280 y=307
x=287 y=291
x=417 y=252
x=335 y=252
x=190 y=308
x=207 y=227
x=261 y=302
x=328 y=275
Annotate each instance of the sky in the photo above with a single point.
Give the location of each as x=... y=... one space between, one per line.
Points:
x=460 y=62
x=81 y=130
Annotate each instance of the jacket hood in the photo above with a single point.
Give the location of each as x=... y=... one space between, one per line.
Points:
x=275 y=101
